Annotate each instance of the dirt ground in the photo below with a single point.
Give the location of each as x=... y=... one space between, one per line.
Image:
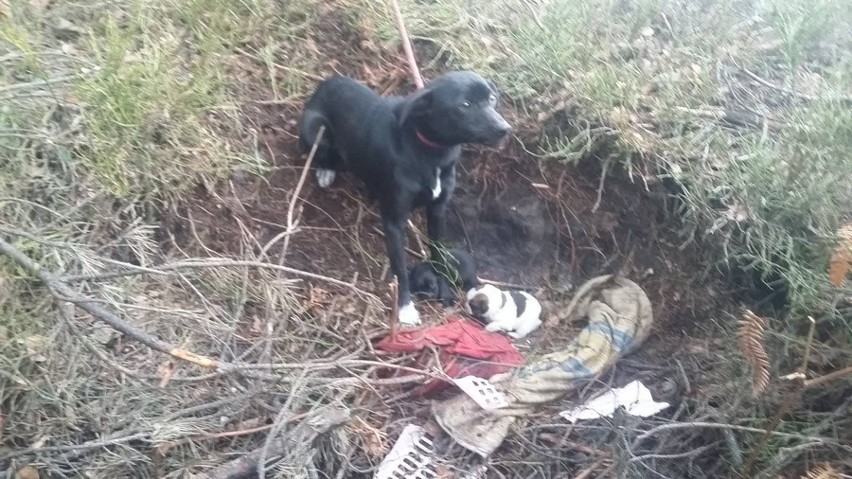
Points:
x=528 y=222
x=540 y=224
x=303 y=346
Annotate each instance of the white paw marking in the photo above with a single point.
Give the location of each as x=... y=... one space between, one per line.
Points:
x=409 y=316
x=325 y=177
x=494 y=327
x=436 y=191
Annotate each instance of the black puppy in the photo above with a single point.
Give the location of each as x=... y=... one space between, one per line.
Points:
x=404 y=149
x=430 y=280
x=425 y=282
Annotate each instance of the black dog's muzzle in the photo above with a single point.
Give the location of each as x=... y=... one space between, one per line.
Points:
x=498 y=129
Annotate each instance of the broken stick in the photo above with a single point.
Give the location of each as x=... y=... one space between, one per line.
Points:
x=406 y=45
x=394 y=316
x=64 y=293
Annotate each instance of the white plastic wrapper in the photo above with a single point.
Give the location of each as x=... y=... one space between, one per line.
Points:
x=635 y=398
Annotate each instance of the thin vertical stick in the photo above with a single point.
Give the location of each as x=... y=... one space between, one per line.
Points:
x=418 y=82
x=291 y=224
x=394 y=316
x=804 y=368
x=301 y=182
x=406 y=45
x=418 y=238
x=786 y=406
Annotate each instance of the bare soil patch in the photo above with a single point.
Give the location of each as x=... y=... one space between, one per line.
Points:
x=537 y=223
x=541 y=224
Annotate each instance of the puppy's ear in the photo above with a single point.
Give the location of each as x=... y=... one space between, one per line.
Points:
x=417 y=101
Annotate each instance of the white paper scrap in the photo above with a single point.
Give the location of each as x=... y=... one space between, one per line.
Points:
x=635 y=398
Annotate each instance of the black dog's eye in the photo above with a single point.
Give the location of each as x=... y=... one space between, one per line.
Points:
x=465 y=105
x=492 y=99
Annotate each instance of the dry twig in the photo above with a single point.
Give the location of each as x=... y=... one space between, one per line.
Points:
x=601 y=186
x=196 y=263
x=418 y=82
x=394 y=316
x=406 y=45
x=786 y=406
x=62 y=292
x=300 y=439
x=822 y=471
x=810 y=383
x=844 y=99
x=733 y=427
x=291 y=223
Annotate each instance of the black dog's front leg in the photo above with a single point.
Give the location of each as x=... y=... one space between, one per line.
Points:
x=436 y=219
x=395 y=242
x=435 y=224
x=436 y=215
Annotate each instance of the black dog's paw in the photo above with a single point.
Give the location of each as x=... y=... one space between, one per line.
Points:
x=325 y=177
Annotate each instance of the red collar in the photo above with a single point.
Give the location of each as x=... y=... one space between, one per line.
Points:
x=427 y=141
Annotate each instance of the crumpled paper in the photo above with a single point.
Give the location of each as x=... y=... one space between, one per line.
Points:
x=635 y=398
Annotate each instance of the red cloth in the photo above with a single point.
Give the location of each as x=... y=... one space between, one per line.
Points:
x=465 y=349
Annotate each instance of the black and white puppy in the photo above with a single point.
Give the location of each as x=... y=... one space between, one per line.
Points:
x=404 y=149
x=515 y=312
x=441 y=280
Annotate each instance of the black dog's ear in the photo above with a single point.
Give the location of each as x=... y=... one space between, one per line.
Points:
x=418 y=100
x=493 y=88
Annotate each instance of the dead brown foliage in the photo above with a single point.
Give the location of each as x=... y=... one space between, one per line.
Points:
x=750 y=340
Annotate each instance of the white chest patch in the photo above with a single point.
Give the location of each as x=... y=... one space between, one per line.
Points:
x=436 y=190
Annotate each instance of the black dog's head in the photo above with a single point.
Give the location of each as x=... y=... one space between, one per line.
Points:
x=456 y=108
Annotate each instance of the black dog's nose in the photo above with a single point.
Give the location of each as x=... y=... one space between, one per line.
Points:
x=500 y=126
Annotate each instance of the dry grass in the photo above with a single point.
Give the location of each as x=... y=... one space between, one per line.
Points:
x=112 y=114
x=840 y=264
x=109 y=115
x=750 y=336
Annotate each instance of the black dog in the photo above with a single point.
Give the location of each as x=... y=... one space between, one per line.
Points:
x=404 y=149
x=440 y=280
